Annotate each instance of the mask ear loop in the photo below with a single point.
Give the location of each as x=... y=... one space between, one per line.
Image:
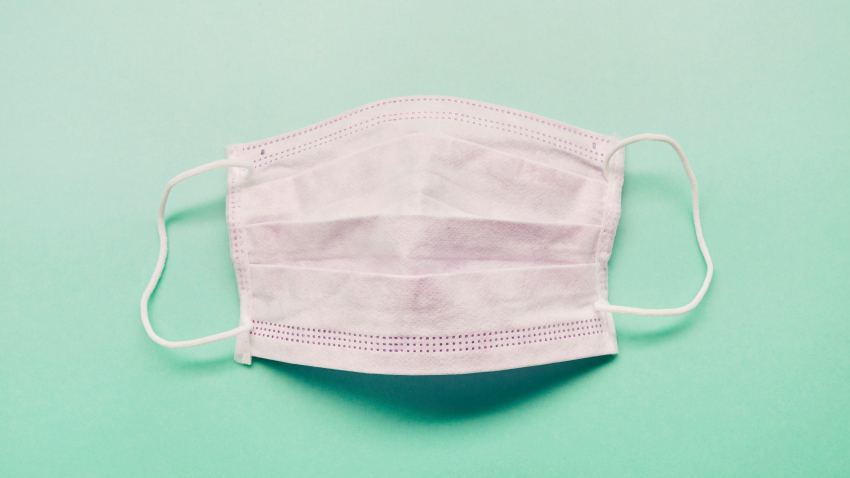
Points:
x=604 y=306
x=163 y=253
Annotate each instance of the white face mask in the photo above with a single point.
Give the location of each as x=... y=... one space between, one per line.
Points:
x=424 y=235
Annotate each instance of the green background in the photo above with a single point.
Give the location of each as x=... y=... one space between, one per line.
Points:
x=101 y=104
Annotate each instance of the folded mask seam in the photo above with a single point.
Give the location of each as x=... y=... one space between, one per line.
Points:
x=485 y=269
x=499 y=109
x=450 y=218
x=480 y=341
x=303 y=148
x=602 y=261
x=236 y=235
x=611 y=218
x=423 y=276
x=240 y=258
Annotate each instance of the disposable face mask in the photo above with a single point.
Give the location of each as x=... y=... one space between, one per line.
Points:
x=424 y=235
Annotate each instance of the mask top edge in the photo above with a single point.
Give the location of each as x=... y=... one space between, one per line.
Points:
x=584 y=143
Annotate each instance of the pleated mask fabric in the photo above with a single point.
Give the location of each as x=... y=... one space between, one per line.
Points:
x=424 y=235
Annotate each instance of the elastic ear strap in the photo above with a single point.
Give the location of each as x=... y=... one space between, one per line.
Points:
x=604 y=305
x=163 y=253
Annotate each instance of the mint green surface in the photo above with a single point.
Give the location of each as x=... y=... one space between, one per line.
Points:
x=102 y=103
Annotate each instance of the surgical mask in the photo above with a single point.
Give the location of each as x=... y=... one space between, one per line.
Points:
x=424 y=235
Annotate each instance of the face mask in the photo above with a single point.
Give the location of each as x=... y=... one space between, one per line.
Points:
x=424 y=235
